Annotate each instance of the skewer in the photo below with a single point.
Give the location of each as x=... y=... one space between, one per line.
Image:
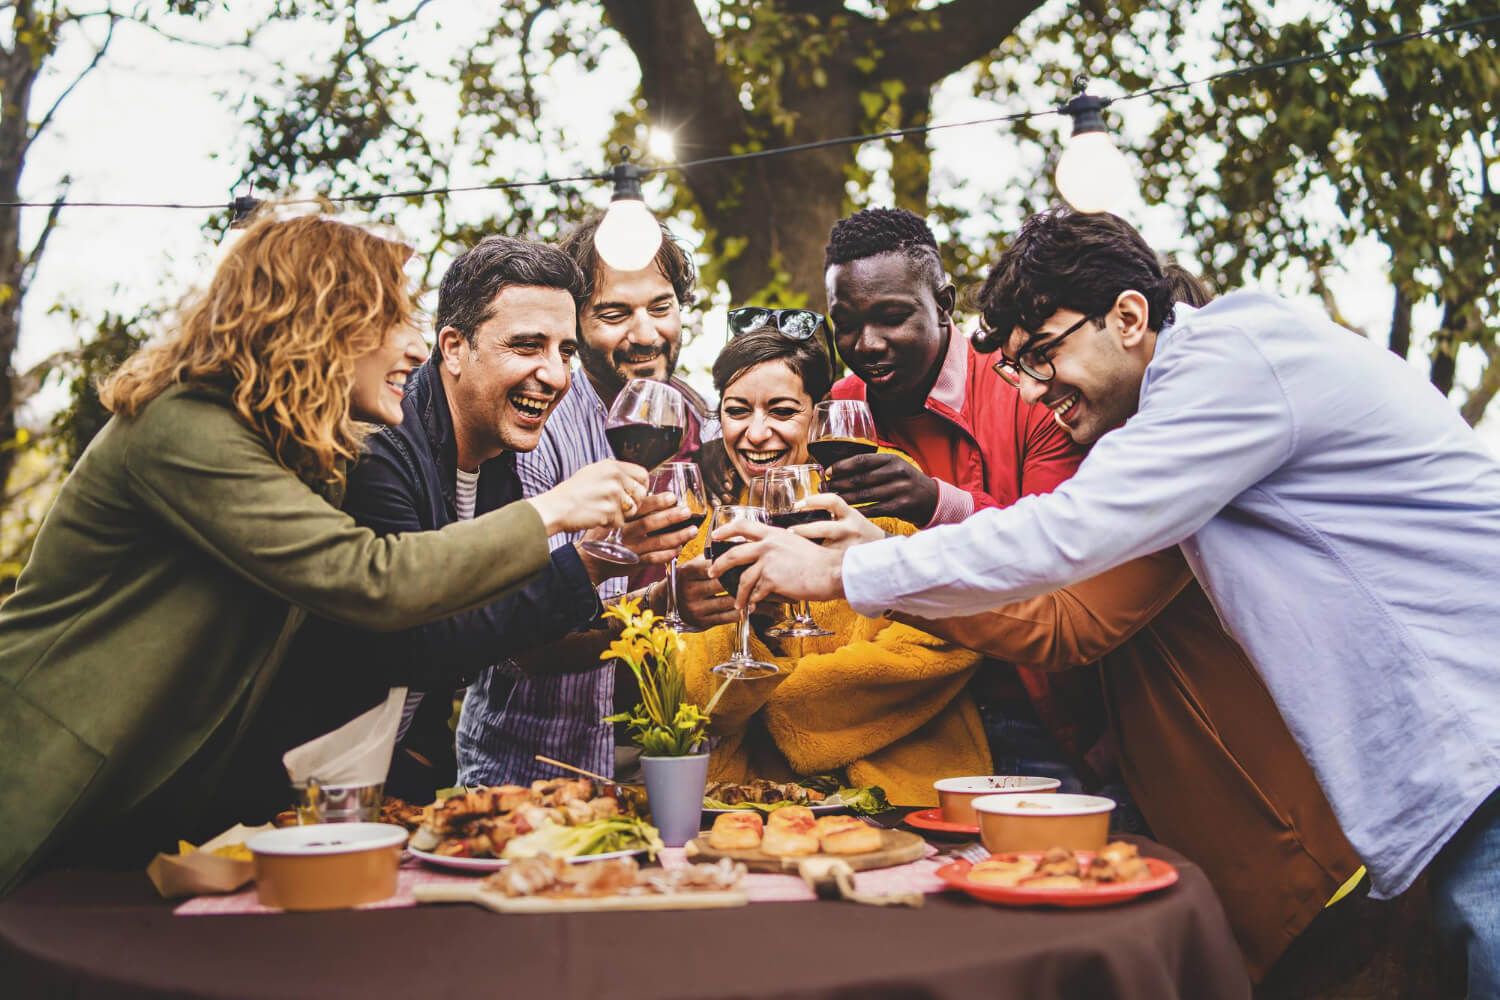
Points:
x=575 y=770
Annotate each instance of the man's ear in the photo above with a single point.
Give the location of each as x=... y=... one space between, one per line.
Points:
x=947 y=298
x=1134 y=313
x=454 y=347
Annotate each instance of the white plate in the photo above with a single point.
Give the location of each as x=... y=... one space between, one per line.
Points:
x=495 y=864
x=821 y=807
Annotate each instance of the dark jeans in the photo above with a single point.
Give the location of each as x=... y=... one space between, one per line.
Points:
x=1021 y=744
x=1465 y=887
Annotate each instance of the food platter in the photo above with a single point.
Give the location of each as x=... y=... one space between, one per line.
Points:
x=1161 y=876
x=819 y=808
x=495 y=864
x=931 y=821
x=897 y=847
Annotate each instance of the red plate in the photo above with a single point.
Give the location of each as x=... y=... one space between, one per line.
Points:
x=932 y=821
x=1162 y=875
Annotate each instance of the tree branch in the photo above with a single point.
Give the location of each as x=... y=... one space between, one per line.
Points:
x=34 y=257
x=46 y=119
x=921 y=54
x=1489 y=385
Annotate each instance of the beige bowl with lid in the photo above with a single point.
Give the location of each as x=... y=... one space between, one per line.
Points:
x=1038 y=822
x=327 y=866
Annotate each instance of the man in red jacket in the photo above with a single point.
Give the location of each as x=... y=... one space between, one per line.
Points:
x=979 y=445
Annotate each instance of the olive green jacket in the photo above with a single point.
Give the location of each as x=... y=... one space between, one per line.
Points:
x=164 y=586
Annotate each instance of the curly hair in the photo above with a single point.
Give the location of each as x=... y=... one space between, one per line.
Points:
x=1062 y=259
x=674 y=263
x=288 y=311
x=876 y=231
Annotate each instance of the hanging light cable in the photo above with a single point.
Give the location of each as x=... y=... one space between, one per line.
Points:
x=1092 y=174
x=629 y=236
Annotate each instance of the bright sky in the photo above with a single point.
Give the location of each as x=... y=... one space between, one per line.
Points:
x=156 y=122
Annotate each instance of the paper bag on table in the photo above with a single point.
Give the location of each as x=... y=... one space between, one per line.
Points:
x=356 y=753
x=201 y=870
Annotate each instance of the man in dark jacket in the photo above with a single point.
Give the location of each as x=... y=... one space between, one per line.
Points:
x=506 y=338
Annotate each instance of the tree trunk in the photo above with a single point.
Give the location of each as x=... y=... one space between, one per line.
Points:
x=18 y=72
x=1401 y=324
x=1479 y=400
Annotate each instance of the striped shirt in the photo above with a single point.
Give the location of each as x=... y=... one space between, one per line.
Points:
x=509 y=717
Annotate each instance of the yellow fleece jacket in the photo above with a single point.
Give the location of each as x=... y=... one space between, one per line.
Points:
x=881 y=701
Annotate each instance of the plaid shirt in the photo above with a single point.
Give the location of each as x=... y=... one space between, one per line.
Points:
x=509 y=717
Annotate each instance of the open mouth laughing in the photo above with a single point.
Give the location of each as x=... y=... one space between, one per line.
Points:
x=1066 y=408
x=531 y=406
x=758 y=461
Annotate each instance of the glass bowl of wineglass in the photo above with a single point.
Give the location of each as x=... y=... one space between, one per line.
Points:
x=646 y=425
x=740 y=665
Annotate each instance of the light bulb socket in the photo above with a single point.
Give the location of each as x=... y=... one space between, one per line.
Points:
x=627 y=178
x=240 y=209
x=1087 y=112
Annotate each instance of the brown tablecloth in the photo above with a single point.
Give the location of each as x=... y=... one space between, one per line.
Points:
x=93 y=934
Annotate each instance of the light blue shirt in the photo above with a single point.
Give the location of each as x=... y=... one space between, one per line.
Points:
x=1343 y=519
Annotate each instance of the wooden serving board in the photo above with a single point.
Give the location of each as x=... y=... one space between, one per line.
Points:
x=476 y=892
x=898 y=847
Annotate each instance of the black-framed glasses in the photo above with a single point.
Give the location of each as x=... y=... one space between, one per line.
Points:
x=1033 y=361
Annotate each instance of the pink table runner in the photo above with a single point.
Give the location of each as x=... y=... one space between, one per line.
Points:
x=918 y=876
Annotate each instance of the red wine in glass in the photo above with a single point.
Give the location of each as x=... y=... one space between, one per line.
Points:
x=730 y=580
x=830 y=451
x=792 y=518
x=696 y=521
x=647 y=445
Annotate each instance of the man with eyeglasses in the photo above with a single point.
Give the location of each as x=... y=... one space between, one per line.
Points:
x=1341 y=516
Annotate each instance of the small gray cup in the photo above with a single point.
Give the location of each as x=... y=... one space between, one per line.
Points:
x=319 y=803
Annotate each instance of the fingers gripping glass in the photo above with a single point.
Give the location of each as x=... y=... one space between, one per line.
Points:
x=785 y=488
x=1036 y=362
x=685 y=481
x=740 y=665
x=645 y=426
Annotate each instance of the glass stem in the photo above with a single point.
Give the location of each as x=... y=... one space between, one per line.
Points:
x=672 y=591
x=744 y=653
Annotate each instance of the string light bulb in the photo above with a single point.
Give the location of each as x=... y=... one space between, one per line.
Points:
x=1092 y=174
x=629 y=236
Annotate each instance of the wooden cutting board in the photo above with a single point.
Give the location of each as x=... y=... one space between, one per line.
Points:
x=478 y=893
x=898 y=847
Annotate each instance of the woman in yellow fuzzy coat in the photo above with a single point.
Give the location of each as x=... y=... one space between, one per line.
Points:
x=881 y=702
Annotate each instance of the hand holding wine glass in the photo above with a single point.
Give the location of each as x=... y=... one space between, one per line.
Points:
x=740 y=665
x=600 y=494
x=645 y=426
x=685 y=482
x=786 y=490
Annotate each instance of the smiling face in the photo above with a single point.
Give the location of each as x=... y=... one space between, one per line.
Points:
x=502 y=387
x=1096 y=384
x=380 y=377
x=632 y=328
x=891 y=325
x=765 y=417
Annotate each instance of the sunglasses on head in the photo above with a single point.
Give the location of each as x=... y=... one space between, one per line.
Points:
x=793 y=324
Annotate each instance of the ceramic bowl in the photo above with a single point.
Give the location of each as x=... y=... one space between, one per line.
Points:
x=1038 y=822
x=957 y=795
x=329 y=866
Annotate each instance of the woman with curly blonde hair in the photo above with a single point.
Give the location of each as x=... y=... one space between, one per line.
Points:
x=202 y=525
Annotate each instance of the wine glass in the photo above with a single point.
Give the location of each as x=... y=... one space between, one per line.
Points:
x=755 y=491
x=786 y=486
x=841 y=428
x=685 y=481
x=740 y=665
x=645 y=426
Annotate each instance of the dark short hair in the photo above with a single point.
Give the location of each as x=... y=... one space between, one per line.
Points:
x=1062 y=259
x=491 y=265
x=805 y=357
x=674 y=263
x=876 y=231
